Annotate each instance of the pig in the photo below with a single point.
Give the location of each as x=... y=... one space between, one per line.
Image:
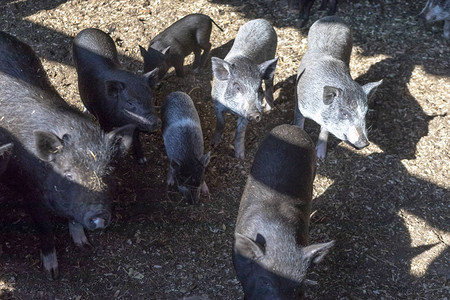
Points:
x=325 y=91
x=116 y=97
x=62 y=159
x=169 y=48
x=183 y=139
x=304 y=7
x=237 y=83
x=271 y=254
x=5 y=153
x=437 y=10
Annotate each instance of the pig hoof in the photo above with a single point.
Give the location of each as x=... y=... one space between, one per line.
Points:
x=76 y=231
x=240 y=155
x=321 y=154
x=142 y=161
x=50 y=263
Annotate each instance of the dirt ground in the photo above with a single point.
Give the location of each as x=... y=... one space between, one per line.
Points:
x=386 y=206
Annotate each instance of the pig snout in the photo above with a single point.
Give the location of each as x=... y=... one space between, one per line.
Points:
x=254 y=117
x=357 y=138
x=147 y=123
x=191 y=194
x=97 y=219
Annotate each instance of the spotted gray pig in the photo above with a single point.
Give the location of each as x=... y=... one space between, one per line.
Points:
x=237 y=84
x=183 y=139
x=325 y=91
x=271 y=254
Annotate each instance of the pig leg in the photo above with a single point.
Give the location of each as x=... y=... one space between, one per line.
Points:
x=48 y=251
x=447 y=29
x=178 y=64
x=197 y=58
x=203 y=36
x=220 y=123
x=321 y=147
x=137 y=147
x=77 y=233
x=323 y=5
x=204 y=188
x=239 y=139
x=332 y=9
x=299 y=119
x=170 y=176
x=305 y=8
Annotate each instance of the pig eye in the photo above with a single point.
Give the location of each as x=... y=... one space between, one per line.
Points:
x=237 y=87
x=68 y=175
x=344 y=114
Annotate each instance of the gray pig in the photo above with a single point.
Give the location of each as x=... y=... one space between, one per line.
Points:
x=116 y=97
x=271 y=253
x=325 y=91
x=170 y=47
x=183 y=139
x=237 y=84
x=437 y=10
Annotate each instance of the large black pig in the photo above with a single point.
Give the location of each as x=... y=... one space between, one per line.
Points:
x=115 y=96
x=61 y=159
x=271 y=254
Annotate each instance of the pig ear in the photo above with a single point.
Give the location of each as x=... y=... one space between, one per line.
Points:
x=267 y=68
x=151 y=77
x=222 y=70
x=121 y=138
x=114 y=87
x=330 y=93
x=370 y=88
x=166 y=51
x=144 y=52
x=47 y=145
x=315 y=253
x=247 y=247
x=205 y=159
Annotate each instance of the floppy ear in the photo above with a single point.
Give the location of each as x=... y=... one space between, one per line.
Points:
x=113 y=87
x=166 y=51
x=204 y=160
x=267 y=68
x=151 y=77
x=330 y=93
x=247 y=248
x=315 y=253
x=370 y=88
x=122 y=138
x=222 y=70
x=48 y=145
x=144 y=52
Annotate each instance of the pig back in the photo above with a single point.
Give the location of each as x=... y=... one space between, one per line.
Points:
x=331 y=36
x=256 y=40
x=92 y=47
x=181 y=127
x=279 y=188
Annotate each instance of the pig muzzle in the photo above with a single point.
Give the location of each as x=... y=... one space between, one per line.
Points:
x=97 y=219
x=254 y=117
x=148 y=123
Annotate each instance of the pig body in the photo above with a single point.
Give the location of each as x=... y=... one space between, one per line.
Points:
x=271 y=253
x=325 y=91
x=437 y=10
x=170 y=47
x=61 y=159
x=183 y=139
x=237 y=84
x=115 y=96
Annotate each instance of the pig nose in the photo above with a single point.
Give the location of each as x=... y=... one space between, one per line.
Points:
x=254 y=117
x=362 y=143
x=97 y=220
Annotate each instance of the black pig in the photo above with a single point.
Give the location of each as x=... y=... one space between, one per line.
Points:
x=170 y=47
x=116 y=97
x=183 y=139
x=271 y=253
x=61 y=158
x=305 y=8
